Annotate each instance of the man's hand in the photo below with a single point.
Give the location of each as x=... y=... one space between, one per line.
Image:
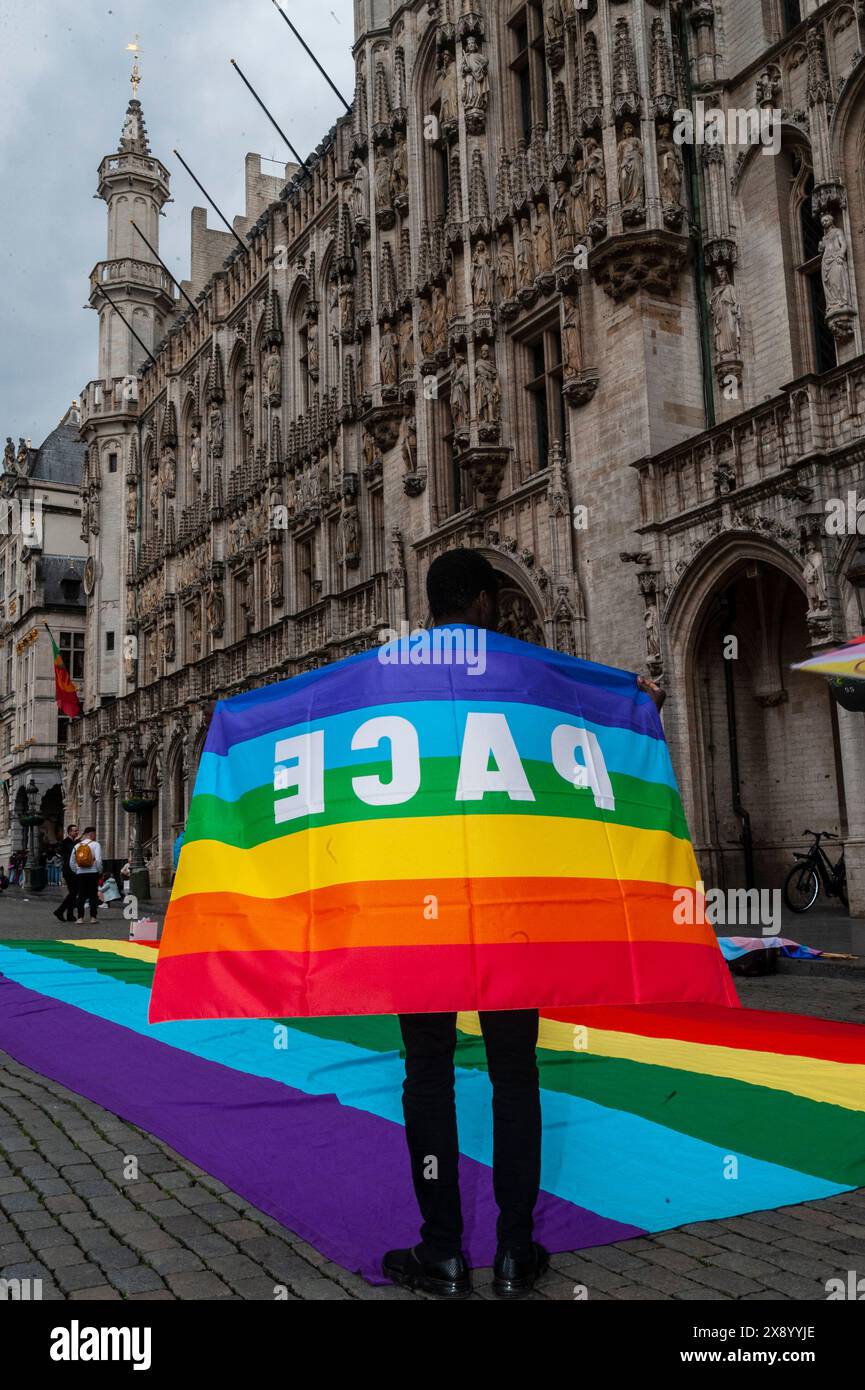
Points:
x=652 y=689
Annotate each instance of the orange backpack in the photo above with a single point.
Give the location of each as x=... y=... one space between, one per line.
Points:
x=83 y=855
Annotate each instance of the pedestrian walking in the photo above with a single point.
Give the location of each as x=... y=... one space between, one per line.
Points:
x=85 y=861
x=66 y=911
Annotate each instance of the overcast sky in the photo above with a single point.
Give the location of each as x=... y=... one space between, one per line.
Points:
x=65 y=91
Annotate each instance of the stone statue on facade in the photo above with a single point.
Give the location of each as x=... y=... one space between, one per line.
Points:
x=474 y=71
x=406 y=344
x=505 y=267
x=572 y=338
x=426 y=329
x=359 y=196
x=670 y=170
x=481 y=277
x=387 y=355
x=594 y=183
x=632 y=179
x=273 y=376
x=814 y=574
x=543 y=240
x=563 y=219
x=487 y=388
x=459 y=400
x=834 y=269
x=525 y=255
x=447 y=89
x=726 y=317
x=215 y=432
x=195 y=456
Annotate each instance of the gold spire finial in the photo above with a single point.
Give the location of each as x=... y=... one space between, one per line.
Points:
x=135 y=77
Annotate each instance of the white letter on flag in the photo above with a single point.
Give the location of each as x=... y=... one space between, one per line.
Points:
x=405 y=759
x=489 y=734
x=567 y=738
x=306 y=751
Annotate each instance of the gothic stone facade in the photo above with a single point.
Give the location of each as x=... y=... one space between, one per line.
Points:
x=502 y=307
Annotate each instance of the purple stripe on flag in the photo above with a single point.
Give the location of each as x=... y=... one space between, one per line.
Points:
x=518 y=672
x=336 y=1176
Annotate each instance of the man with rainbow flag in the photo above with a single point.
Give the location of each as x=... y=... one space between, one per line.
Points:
x=462 y=589
x=455 y=820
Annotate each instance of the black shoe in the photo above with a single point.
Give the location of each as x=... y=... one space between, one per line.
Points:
x=514 y=1275
x=444 y=1278
x=59 y=915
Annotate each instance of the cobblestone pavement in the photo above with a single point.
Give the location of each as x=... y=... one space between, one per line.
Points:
x=70 y=1217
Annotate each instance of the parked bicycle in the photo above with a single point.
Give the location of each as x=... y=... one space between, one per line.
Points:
x=802 y=884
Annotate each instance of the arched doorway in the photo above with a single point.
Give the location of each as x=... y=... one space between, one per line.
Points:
x=758 y=754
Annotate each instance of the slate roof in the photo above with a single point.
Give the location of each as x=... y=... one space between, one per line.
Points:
x=61 y=458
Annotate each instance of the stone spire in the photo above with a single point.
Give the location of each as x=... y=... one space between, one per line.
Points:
x=133 y=137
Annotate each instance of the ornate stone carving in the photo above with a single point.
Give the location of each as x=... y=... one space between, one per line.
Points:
x=671 y=171
x=650 y=260
x=488 y=395
x=474 y=71
x=632 y=179
x=835 y=273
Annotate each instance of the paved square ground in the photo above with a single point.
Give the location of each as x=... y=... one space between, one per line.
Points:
x=72 y=1215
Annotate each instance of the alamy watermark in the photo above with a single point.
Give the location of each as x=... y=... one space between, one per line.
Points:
x=437 y=646
x=729 y=907
x=735 y=126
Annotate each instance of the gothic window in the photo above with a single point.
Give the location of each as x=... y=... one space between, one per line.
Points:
x=298 y=347
x=305 y=573
x=528 y=66
x=376 y=516
x=543 y=377
x=791 y=14
x=809 y=267
x=448 y=479
x=336 y=569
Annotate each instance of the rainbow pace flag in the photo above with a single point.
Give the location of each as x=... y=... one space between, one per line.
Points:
x=654 y=1116
x=456 y=820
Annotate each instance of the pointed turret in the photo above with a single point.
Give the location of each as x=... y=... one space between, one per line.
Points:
x=135 y=186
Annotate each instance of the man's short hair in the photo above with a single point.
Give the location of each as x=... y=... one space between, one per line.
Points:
x=71 y=827
x=89 y=830
x=455 y=579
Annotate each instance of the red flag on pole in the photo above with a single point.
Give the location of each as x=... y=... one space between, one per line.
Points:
x=64 y=690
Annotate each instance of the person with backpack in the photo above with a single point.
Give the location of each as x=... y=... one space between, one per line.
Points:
x=85 y=861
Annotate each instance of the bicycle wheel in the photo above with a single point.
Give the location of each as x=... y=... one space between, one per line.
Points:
x=801 y=887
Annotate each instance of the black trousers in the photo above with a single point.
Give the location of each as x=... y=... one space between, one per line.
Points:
x=431 y=1125
x=69 y=903
x=88 y=892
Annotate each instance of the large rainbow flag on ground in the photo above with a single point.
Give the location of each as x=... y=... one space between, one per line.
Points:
x=654 y=1116
x=456 y=820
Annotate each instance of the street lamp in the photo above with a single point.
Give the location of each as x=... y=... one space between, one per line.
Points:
x=35 y=875
x=139 y=799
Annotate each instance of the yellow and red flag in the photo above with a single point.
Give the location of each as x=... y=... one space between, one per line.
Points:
x=64 y=689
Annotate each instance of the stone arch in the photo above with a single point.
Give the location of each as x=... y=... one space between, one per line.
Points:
x=733 y=626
